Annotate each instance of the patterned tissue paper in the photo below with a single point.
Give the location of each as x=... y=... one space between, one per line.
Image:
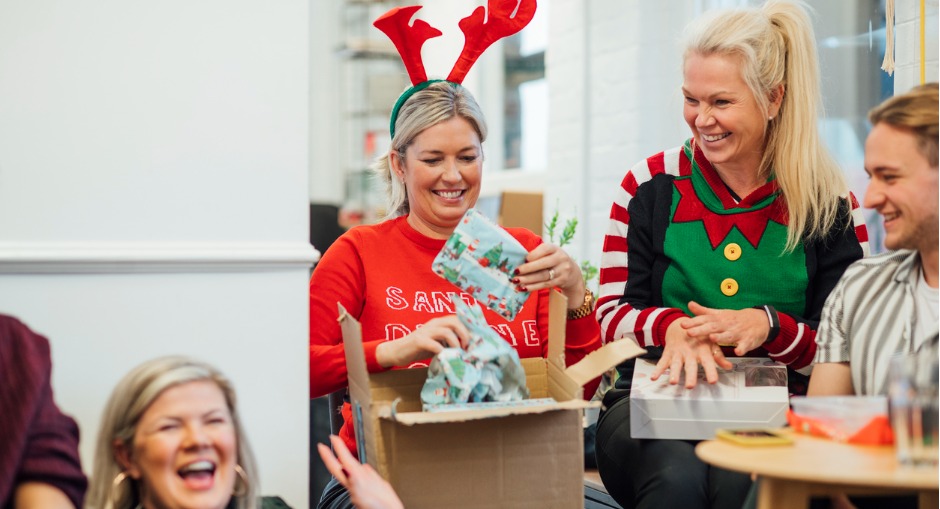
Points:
x=488 y=370
x=480 y=258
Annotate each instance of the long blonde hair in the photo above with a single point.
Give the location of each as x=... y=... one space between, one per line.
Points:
x=776 y=46
x=130 y=399
x=439 y=102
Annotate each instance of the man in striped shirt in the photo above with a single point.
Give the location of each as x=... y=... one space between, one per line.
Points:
x=888 y=304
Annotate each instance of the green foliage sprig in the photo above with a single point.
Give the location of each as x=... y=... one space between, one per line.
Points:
x=588 y=270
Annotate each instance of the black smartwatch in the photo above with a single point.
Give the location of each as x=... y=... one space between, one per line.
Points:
x=774 y=320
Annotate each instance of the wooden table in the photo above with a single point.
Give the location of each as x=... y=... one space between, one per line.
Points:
x=791 y=474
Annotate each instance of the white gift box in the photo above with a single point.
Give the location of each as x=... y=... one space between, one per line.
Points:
x=753 y=394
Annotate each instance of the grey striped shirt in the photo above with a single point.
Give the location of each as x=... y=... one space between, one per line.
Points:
x=870 y=316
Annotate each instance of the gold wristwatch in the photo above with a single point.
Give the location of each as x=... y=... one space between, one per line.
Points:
x=585 y=309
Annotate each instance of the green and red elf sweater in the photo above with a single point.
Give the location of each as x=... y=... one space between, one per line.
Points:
x=678 y=234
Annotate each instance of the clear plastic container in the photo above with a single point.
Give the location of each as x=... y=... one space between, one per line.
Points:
x=841 y=416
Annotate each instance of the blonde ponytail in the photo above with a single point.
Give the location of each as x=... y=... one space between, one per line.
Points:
x=776 y=47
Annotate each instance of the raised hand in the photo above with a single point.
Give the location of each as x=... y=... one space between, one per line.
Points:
x=367 y=489
x=549 y=266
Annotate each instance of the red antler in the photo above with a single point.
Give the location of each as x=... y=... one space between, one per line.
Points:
x=408 y=39
x=479 y=35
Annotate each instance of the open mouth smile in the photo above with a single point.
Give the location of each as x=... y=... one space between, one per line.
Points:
x=198 y=474
x=450 y=195
x=715 y=137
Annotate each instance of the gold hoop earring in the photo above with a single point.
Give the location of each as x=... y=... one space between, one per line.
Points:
x=243 y=477
x=114 y=494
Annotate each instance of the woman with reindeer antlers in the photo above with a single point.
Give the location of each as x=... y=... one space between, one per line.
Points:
x=382 y=274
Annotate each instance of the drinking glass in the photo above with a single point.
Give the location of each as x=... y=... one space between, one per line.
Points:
x=913 y=401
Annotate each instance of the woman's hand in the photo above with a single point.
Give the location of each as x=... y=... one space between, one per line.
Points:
x=548 y=266
x=685 y=352
x=746 y=329
x=367 y=489
x=426 y=341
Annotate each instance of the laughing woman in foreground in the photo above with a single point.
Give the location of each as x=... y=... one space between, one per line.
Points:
x=726 y=245
x=171 y=437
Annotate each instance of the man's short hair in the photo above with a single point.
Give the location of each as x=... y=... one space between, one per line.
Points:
x=915 y=111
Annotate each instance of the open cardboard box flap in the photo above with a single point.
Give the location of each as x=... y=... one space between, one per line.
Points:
x=599 y=361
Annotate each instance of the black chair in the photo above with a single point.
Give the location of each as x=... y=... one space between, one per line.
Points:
x=324 y=225
x=325 y=419
x=319 y=434
x=336 y=400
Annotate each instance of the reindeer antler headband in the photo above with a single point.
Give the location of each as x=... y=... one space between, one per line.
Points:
x=501 y=18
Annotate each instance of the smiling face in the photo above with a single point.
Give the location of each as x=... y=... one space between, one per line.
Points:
x=726 y=120
x=442 y=170
x=184 y=449
x=903 y=188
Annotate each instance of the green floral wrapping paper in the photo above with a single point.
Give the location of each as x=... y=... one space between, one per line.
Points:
x=480 y=259
x=488 y=370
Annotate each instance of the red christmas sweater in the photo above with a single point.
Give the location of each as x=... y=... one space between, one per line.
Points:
x=382 y=276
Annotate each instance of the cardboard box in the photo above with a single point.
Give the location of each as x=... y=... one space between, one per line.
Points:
x=519 y=456
x=752 y=395
x=522 y=209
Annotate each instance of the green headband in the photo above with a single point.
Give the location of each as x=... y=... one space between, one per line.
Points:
x=407 y=95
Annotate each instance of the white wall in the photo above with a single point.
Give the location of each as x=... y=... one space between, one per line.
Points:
x=153 y=200
x=327 y=178
x=613 y=69
x=907 y=57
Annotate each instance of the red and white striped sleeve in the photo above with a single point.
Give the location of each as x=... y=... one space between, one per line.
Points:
x=858 y=222
x=617 y=316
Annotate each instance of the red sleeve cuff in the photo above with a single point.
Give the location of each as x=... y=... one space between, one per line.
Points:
x=797 y=355
x=583 y=332
x=788 y=331
x=663 y=322
x=372 y=364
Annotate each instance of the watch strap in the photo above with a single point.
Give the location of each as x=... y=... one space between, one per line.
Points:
x=585 y=309
x=774 y=320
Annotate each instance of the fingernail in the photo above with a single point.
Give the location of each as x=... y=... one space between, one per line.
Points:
x=515 y=280
x=515 y=272
x=520 y=288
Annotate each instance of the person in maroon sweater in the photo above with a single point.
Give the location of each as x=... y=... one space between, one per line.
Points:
x=39 y=463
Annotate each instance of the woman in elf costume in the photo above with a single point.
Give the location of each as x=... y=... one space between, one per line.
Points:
x=726 y=245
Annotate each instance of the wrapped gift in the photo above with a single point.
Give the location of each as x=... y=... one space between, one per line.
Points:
x=753 y=394
x=488 y=370
x=480 y=259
